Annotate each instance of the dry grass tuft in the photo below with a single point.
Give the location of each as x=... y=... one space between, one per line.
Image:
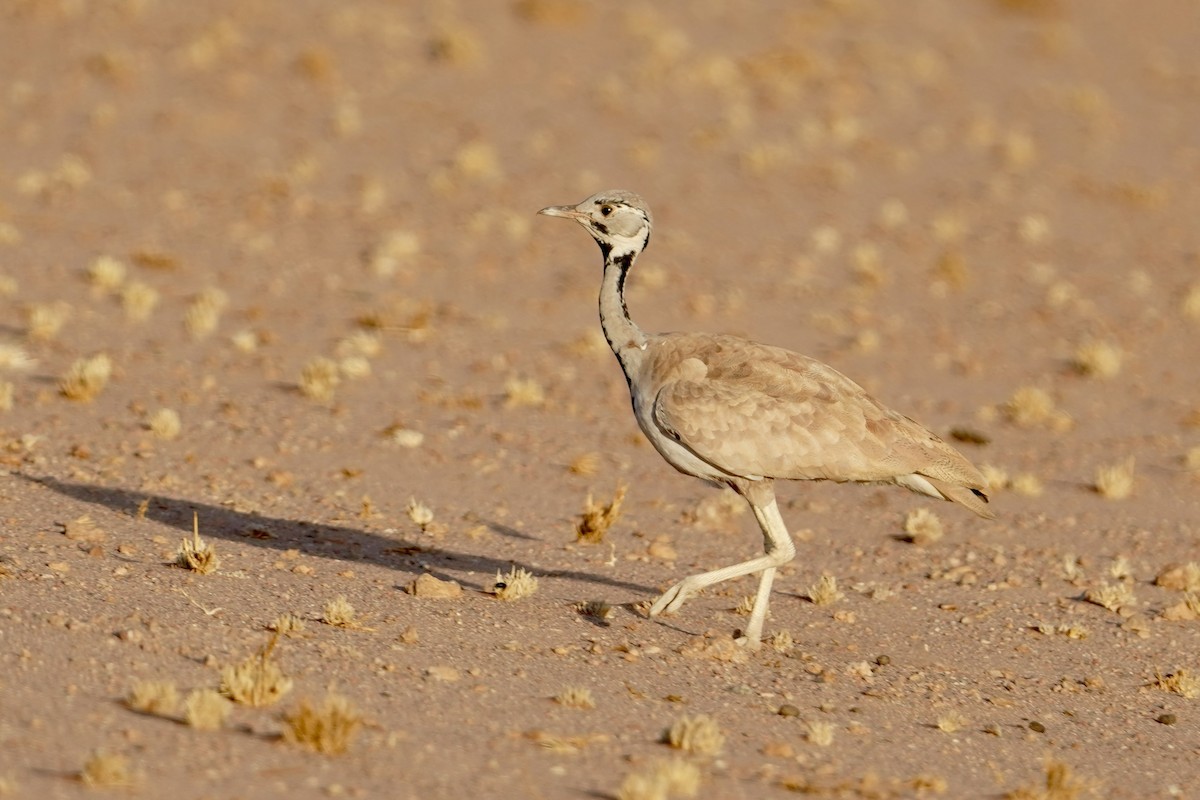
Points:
x=597 y=518
x=419 y=513
x=517 y=584
x=1098 y=359
x=585 y=464
x=195 y=553
x=995 y=477
x=1113 y=596
x=1180 y=682
x=339 y=613
x=1070 y=630
x=7 y=393
x=138 y=300
x=258 y=681
x=922 y=527
x=286 y=624
x=596 y=609
x=1027 y=484
x=1060 y=784
x=1032 y=407
x=15 y=357
x=952 y=722
x=319 y=378
x=106 y=273
x=663 y=779
x=203 y=315
x=523 y=393
x=86 y=378
x=165 y=424
x=396 y=249
x=575 y=697
x=328 y=729
x=697 y=734
x=153 y=697
x=105 y=770
x=44 y=321
x=825 y=591
x=819 y=732
x=1115 y=481
x=206 y=710
x=781 y=642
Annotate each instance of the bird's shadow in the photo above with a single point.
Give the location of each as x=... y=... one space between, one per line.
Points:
x=316 y=539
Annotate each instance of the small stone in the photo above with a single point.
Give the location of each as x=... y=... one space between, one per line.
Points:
x=883 y=660
x=1037 y=727
x=788 y=710
x=428 y=586
x=1166 y=719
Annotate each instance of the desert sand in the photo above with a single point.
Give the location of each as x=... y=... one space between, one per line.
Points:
x=273 y=270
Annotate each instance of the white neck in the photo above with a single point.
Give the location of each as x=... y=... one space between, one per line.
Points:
x=622 y=333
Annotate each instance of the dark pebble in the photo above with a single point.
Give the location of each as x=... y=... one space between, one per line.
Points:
x=789 y=710
x=1037 y=727
x=883 y=661
x=1166 y=719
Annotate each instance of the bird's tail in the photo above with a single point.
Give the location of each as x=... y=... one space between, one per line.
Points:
x=973 y=499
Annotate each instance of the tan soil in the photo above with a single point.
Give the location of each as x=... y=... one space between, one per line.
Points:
x=942 y=198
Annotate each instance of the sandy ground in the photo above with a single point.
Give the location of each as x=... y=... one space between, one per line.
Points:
x=308 y=230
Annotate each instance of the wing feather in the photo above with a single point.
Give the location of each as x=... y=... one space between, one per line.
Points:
x=755 y=410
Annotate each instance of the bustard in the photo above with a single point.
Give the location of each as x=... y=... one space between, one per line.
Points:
x=741 y=414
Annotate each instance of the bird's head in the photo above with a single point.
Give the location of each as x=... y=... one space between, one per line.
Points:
x=618 y=220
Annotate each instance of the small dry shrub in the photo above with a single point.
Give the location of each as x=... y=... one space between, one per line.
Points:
x=195 y=553
x=165 y=424
x=1113 y=596
x=204 y=312
x=661 y=780
x=1060 y=784
x=1098 y=359
x=1180 y=682
x=153 y=697
x=258 y=681
x=1115 y=481
x=86 y=378
x=517 y=584
x=329 y=728
x=922 y=527
x=575 y=697
x=319 y=378
x=952 y=722
x=825 y=591
x=104 y=770
x=1033 y=407
x=597 y=518
x=339 y=613
x=596 y=609
x=286 y=624
x=205 y=710
x=819 y=732
x=697 y=734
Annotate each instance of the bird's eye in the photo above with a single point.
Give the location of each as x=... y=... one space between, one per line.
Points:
x=605 y=210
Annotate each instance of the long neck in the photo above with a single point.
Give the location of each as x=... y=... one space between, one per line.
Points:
x=622 y=333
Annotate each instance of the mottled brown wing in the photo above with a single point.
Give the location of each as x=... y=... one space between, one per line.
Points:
x=773 y=413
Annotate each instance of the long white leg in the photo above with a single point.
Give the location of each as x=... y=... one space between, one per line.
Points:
x=779 y=550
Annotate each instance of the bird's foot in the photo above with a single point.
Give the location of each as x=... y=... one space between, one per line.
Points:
x=751 y=644
x=672 y=598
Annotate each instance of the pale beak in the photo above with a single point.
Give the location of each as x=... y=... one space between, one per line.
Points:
x=570 y=212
